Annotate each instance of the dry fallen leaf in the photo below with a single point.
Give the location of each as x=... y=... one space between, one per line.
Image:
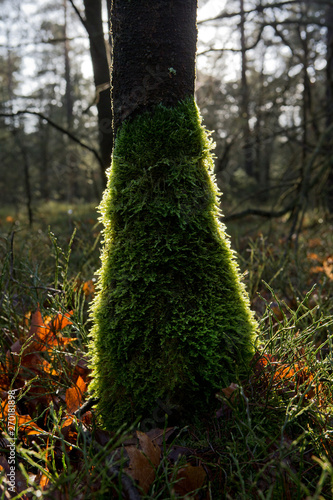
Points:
x=159 y=436
x=69 y=431
x=189 y=479
x=229 y=392
x=140 y=468
x=328 y=267
x=24 y=423
x=152 y=452
x=43 y=481
x=74 y=395
x=42 y=335
x=143 y=462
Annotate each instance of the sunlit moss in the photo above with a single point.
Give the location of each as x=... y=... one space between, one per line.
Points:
x=171 y=317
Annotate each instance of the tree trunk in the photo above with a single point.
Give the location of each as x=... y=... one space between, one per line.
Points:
x=329 y=101
x=172 y=322
x=94 y=26
x=44 y=160
x=260 y=149
x=26 y=170
x=68 y=92
x=245 y=113
x=154 y=45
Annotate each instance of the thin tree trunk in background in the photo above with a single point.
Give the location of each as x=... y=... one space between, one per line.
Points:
x=26 y=170
x=305 y=173
x=306 y=96
x=71 y=164
x=247 y=143
x=44 y=163
x=153 y=55
x=329 y=66
x=27 y=185
x=68 y=91
x=262 y=149
x=94 y=27
x=10 y=69
x=329 y=101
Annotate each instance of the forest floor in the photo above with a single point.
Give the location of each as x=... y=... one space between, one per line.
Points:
x=269 y=436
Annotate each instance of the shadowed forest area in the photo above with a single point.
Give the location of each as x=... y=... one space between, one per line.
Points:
x=264 y=88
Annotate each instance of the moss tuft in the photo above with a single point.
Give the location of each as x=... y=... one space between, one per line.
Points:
x=171 y=318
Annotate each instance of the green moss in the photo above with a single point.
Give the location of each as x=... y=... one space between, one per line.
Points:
x=171 y=317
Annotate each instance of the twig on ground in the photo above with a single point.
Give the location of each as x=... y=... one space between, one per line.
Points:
x=87 y=405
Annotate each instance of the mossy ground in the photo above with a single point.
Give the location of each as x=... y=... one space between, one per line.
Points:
x=172 y=321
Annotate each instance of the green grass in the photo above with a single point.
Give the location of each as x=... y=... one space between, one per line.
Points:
x=32 y=247
x=273 y=438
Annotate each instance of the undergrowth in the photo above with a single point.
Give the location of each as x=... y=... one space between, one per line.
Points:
x=268 y=437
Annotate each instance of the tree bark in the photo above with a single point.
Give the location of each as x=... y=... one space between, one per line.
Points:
x=154 y=46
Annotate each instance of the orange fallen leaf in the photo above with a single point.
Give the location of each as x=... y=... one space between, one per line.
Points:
x=316 y=269
x=47 y=368
x=26 y=425
x=313 y=256
x=4 y=379
x=88 y=288
x=12 y=419
x=69 y=430
x=328 y=267
x=43 y=481
x=261 y=362
x=43 y=335
x=68 y=421
x=284 y=376
x=74 y=395
x=60 y=321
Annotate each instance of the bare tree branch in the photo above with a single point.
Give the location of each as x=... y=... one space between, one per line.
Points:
x=83 y=21
x=260 y=8
x=250 y=47
x=57 y=127
x=260 y=213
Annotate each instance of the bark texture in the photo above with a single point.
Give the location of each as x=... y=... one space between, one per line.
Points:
x=154 y=45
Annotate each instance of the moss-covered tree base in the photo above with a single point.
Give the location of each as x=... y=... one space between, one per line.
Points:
x=171 y=317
